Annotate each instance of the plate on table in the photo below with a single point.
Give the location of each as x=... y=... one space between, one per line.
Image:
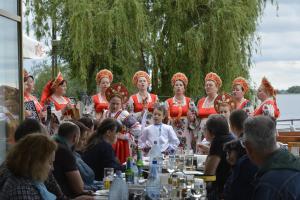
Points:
x=146 y=161
x=195 y=173
x=101 y=193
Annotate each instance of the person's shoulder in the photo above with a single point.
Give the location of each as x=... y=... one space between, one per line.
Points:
x=63 y=151
x=167 y=126
x=226 y=138
x=169 y=100
x=102 y=146
x=280 y=176
x=16 y=184
x=148 y=128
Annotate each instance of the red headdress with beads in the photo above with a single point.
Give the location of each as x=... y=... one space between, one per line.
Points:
x=104 y=73
x=50 y=87
x=242 y=82
x=180 y=76
x=224 y=99
x=139 y=74
x=268 y=87
x=119 y=90
x=214 y=77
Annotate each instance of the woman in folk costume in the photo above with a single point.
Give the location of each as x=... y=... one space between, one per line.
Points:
x=117 y=96
x=267 y=95
x=28 y=89
x=103 y=79
x=206 y=104
x=182 y=112
x=143 y=100
x=239 y=88
x=224 y=104
x=54 y=92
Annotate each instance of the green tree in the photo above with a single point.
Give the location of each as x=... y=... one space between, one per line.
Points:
x=160 y=36
x=294 y=90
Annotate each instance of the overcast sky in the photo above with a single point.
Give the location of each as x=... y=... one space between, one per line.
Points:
x=279 y=56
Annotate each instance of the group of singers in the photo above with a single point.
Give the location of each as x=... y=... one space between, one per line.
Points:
x=175 y=122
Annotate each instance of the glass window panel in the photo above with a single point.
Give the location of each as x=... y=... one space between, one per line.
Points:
x=9 y=6
x=9 y=83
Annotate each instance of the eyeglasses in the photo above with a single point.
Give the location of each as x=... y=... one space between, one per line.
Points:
x=242 y=141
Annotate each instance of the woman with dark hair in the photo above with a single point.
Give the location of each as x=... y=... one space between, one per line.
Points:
x=117 y=95
x=216 y=131
x=28 y=126
x=28 y=89
x=88 y=122
x=54 y=92
x=87 y=174
x=99 y=153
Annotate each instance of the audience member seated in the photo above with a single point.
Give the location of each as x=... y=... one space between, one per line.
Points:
x=217 y=132
x=65 y=167
x=239 y=183
x=87 y=174
x=278 y=176
x=28 y=126
x=236 y=121
x=28 y=165
x=99 y=153
x=88 y=122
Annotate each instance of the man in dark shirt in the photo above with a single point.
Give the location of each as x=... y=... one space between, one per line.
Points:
x=278 y=176
x=65 y=168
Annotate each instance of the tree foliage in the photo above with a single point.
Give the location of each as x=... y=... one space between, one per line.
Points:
x=160 y=36
x=294 y=90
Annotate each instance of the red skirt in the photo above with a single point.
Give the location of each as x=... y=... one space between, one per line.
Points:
x=122 y=150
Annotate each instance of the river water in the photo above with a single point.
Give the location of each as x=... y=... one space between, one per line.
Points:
x=289 y=105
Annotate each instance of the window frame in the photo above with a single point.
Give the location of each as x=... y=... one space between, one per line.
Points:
x=18 y=18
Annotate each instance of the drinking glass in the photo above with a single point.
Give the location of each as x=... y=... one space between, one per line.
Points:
x=180 y=162
x=108 y=172
x=189 y=159
x=171 y=163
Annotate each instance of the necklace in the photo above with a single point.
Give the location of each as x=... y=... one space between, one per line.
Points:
x=179 y=101
x=209 y=103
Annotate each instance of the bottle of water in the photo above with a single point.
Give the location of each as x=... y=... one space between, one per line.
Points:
x=135 y=172
x=153 y=183
x=118 y=189
x=155 y=154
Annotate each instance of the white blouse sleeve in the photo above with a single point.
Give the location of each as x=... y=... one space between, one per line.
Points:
x=143 y=138
x=173 y=139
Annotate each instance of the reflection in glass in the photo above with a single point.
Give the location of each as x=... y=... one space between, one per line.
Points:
x=10 y=6
x=9 y=82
